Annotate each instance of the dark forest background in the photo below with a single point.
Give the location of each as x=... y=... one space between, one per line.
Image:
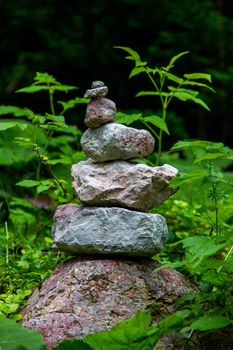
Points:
x=73 y=40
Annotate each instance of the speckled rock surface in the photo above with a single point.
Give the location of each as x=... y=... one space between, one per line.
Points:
x=122 y=184
x=88 y=295
x=118 y=231
x=100 y=111
x=99 y=91
x=114 y=141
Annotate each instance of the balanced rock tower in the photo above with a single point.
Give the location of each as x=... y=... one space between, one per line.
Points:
x=112 y=234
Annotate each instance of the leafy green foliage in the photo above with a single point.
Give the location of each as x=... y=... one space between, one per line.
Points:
x=13 y=336
x=32 y=145
x=165 y=92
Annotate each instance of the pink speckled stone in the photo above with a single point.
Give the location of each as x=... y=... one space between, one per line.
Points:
x=90 y=295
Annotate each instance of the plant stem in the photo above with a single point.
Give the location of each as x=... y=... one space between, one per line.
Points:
x=161 y=137
x=150 y=128
x=7 y=239
x=226 y=257
x=51 y=101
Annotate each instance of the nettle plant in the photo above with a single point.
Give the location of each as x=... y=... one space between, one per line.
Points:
x=207 y=255
x=48 y=136
x=36 y=152
x=166 y=86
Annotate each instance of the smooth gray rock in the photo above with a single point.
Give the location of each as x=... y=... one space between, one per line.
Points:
x=114 y=141
x=100 y=91
x=97 y=83
x=100 y=111
x=89 y=295
x=118 y=231
x=122 y=184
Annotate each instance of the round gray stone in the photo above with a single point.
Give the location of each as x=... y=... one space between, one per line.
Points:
x=97 y=84
x=114 y=141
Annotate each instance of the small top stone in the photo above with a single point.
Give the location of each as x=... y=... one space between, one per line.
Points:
x=97 y=84
x=98 y=89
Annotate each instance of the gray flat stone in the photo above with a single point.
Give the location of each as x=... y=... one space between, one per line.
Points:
x=118 y=231
x=114 y=141
x=122 y=184
x=96 y=92
x=100 y=111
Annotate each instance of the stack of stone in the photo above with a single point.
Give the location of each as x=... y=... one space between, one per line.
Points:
x=93 y=292
x=115 y=193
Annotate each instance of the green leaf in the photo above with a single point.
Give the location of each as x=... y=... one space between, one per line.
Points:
x=172 y=77
x=45 y=78
x=152 y=93
x=11 y=123
x=127 y=119
x=133 y=334
x=62 y=87
x=200 y=247
x=137 y=70
x=188 y=91
x=33 y=88
x=173 y=322
x=158 y=122
x=188 y=178
x=184 y=96
x=205 y=323
x=130 y=51
x=175 y=58
x=16 y=111
x=207 y=145
x=12 y=335
x=194 y=83
x=211 y=156
x=28 y=183
x=198 y=76
x=72 y=103
x=73 y=345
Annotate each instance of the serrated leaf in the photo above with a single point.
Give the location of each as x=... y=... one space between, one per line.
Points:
x=16 y=111
x=172 y=77
x=175 y=58
x=44 y=78
x=33 y=88
x=194 y=83
x=198 y=76
x=188 y=178
x=130 y=51
x=184 y=96
x=205 y=323
x=4 y=124
x=211 y=156
x=158 y=122
x=188 y=91
x=127 y=119
x=152 y=93
x=137 y=70
x=64 y=88
x=133 y=334
x=28 y=183
x=207 y=145
x=12 y=335
x=72 y=103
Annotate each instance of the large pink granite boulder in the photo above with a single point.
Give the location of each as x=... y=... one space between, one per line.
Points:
x=89 y=295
